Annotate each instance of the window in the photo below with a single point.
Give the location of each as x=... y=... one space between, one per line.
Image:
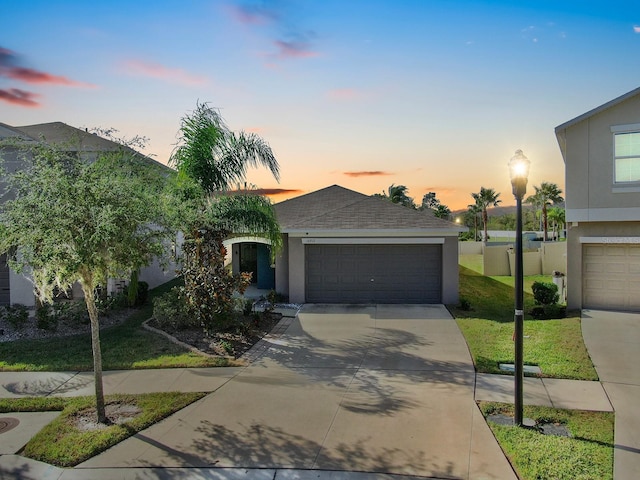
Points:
x=627 y=157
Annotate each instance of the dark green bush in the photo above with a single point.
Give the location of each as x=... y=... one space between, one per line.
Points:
x=545 y=293
x=16 y=314
x=170 y=311
x=46 y=318
x=465 y=304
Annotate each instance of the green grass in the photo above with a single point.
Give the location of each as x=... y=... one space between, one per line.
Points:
x=556 y=346
x=61 y=443
x=125 y=346
x=588 y=455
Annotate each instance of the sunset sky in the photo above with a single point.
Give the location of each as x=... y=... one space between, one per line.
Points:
x=434 y=95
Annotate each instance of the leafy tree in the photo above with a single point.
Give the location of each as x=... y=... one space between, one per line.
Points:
x=210 y=160
x=442 y=211
x=471 y=219
x=547 y=194
x=556 y=215
x=487 y=197
x=73 y=221
x=430 y=201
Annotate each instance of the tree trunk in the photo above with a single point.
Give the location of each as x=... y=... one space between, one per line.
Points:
x=485 y=220
x=544 y=221
x=87 y=288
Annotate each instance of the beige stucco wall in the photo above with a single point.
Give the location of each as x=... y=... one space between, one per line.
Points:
x=282 y=268
x=450 y=271
x=296 y=270
x=574 y=251
x=554 y=257
x=589 y=166
x=470 y=248
x=496 y=261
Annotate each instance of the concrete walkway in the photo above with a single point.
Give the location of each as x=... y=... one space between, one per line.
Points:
x=343 y=392
x=613 y=341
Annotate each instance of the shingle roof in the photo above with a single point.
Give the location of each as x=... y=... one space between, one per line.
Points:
x=74 y=139
x=338 y=208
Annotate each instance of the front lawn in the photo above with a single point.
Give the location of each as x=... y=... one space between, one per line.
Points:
x=125 y=346
x=586 y=455
x=556 y=346
x=71 y=438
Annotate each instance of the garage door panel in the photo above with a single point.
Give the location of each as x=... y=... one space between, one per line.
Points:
x=374 y=273
x=611 y=277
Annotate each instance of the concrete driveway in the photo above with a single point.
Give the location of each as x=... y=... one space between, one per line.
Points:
x=385 y=389
x=613 y=342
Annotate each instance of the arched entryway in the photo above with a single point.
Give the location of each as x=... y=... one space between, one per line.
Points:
x=253 y=254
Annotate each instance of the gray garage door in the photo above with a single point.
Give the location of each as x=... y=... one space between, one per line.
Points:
x=611 y=277
x=373 y=273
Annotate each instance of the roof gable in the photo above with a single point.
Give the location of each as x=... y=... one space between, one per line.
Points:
x=337 y=208
x=599 y=109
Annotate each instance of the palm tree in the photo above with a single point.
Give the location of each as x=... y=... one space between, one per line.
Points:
x=487 y=197
x=210 y=160
x=556 y=216
x=547 y=194
x=399 y=194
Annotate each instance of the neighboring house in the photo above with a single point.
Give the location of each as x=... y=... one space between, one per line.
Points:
x=16 y=288
x=341 y=246
x=601 y=151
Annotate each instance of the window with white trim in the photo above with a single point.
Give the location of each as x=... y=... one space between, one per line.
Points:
x=626 y=148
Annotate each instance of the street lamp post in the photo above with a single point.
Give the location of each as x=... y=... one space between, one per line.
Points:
x=519 y=171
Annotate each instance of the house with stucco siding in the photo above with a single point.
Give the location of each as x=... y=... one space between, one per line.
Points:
x=601 y=151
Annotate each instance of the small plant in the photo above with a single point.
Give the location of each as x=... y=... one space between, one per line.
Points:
x=545 y=293
x=170 y=311
x=16 y=314
x=465 y=304
x=226 y=346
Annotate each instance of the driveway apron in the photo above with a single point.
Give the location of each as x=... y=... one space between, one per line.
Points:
x=378 y=388
x=613 y=342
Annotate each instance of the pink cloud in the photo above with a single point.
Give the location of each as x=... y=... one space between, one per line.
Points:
x=29 y=75
x=19 y=97
x=293 y=49
x=155 y=70
x=374 y=173
x=636 y=28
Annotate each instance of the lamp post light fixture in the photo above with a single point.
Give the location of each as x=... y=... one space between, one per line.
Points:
x=519 y=171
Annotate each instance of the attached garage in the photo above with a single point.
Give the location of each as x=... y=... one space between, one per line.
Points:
x=611 y=276
x=373 y=273
x=341 y=246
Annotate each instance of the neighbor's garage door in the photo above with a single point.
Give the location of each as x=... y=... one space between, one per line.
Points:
x=611 y=277
x=373 y=273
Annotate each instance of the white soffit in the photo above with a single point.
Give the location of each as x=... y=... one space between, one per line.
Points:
x=373 y=241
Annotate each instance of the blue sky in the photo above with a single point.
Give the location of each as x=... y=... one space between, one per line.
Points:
x=434 y=95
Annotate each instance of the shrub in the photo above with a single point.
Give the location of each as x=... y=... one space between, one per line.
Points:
x=46 y=318
x=170 y=310
x=142 y=294
x=545 y=293
x=16 y=314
